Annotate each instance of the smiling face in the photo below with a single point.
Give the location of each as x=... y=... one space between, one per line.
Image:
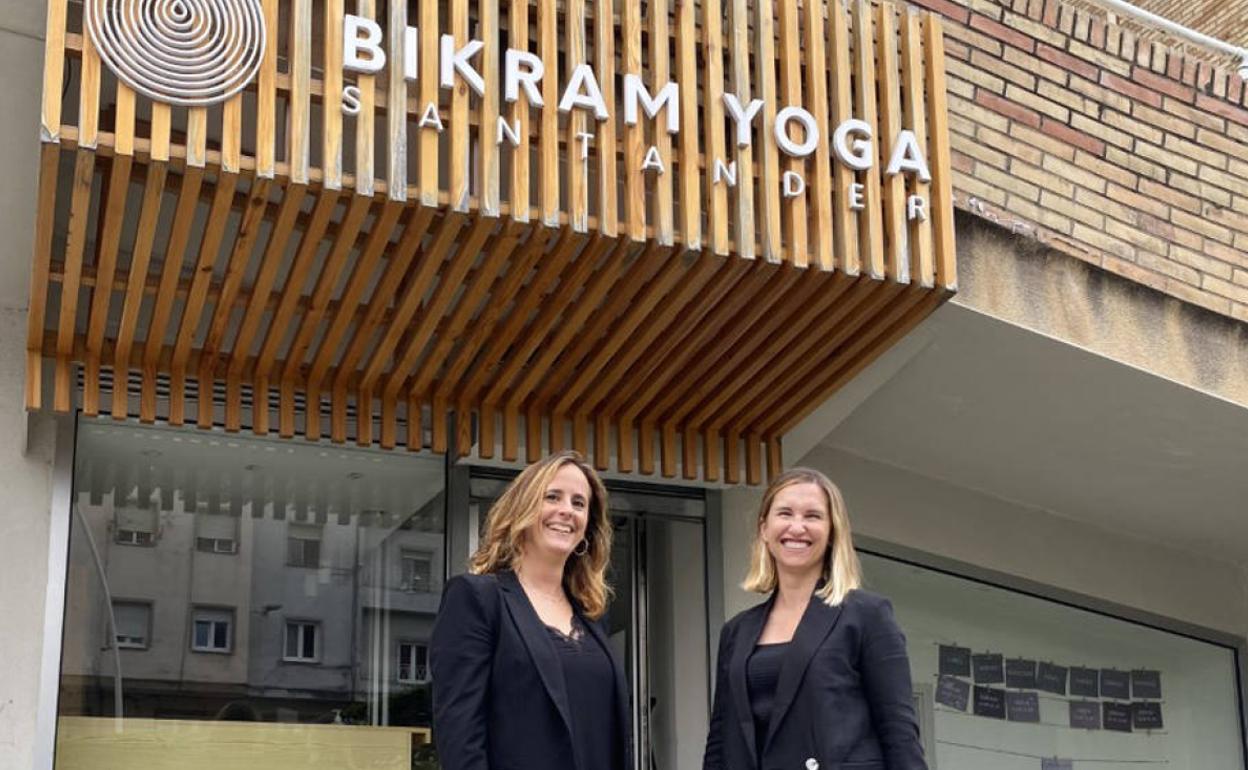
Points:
x=797 y=529
x=564 y=516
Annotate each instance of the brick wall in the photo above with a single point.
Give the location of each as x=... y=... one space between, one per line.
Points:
x=1120 y=152
x=1224 y=19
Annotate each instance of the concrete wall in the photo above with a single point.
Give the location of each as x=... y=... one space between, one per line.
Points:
x=25 y=456
x=904 y=508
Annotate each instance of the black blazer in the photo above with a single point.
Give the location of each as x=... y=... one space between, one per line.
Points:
x=499 y=697
x=843 y=699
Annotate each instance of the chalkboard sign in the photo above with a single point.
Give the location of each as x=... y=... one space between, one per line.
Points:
x=1051 y=678
x=1146 y=715
x=1115 y=684
x=989 y=702
x=1022 y=707
x=1020 y=673
x=1085 y=682
x=1146 y=684
x=989 y=668
x=1085 y=715
x=1116 y=716
x=955 y=661
x=1057 y=764
x=953 y=692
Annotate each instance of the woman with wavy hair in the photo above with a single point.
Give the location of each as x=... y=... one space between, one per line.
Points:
x=523 y=675
x=817 y=675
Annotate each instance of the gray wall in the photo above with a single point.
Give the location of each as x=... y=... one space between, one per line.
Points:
x=25 y=456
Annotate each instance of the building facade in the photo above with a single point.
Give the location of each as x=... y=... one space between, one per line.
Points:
x=240 y=476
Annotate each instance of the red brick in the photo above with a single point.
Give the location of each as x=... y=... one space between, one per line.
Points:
x=1071 y=136
x=1134 y=90
x=1050 y=13
x=1066 y=61
x=962 y=162
x=1002 y=32
x=1098 y=32
x=1220 y=107
x=1174 y=65
x=946 y=8
x=1162 y=84
x=1008 y=108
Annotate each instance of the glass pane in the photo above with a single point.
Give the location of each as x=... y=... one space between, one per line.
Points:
x=355 y=511
x=1062 y=678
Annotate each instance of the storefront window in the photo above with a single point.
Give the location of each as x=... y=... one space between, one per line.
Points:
x=1008 y=681
x=242 y=602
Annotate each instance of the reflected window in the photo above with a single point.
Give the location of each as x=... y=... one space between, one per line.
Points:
x=416 y=570
x=212 y=630
x=303 y=547
x=133 y=621
x=301 y=641
x=413 y=662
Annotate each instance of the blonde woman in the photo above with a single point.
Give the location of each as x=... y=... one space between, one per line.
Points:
x=817 y=675
x=523 y=676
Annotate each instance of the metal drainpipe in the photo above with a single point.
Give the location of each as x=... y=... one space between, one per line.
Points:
x=1181 y=31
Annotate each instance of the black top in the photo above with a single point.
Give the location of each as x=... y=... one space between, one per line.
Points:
x=843 y=697
x=500 y=697
x=762 y=675
x=591 y=695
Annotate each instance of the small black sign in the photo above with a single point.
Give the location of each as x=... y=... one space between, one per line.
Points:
x=955 y=661
x=989 y=668
x=1051 y=678
x=1085 y=682
x=1020 y=673
x=1057 y=764
x=1116 y=716
x=1146 y=684
x=1115 y=684
x=1146 y=715
x=953 y=692
x=1085 y=714
x=989 y=702
x=1022 y=706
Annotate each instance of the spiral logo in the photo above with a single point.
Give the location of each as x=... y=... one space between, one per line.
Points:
x=187 y=52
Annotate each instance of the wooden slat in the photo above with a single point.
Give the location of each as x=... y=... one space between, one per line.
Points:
x=844 y=223
x=192 y=309
x=606 y=149
x=366 y=120
x=53 y=70
x=790 y=53
x=45 y=220
x=914 y=118
x=292 y=291
x=79 y=212
x=162 y=309
x=266 y=97
x=162 y=119
x=576 y=158
x=460 y=173
x=487 y=15
x=769 y=158
x=396 y=103
x=108 y=241
x=428 y=168
x=236 y=267
x=548 y=118
x=893 y=188
x=870 y=226
x=362 y=270
x=690 y=183
x=518 y=114
x=713 y=54
x=232 y=134
x=299 y=119
x=197 y=136
x=660 y=185
x=88 y=95
x=322 y=292
x=814 y=24
x=739 y=48
x=941 y=163
x=331 y=97
x=634 y=135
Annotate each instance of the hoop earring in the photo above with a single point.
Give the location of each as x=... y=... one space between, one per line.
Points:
x=581 y=549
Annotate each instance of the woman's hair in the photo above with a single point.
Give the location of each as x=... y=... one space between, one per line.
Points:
x=841 y=571
x=584 y=575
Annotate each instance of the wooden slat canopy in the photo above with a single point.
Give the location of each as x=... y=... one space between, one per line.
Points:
x=272 y=263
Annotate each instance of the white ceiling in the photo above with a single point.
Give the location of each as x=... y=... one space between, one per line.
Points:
x=999 y=409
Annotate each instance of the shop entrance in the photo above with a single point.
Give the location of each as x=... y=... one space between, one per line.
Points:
x=657 y=620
